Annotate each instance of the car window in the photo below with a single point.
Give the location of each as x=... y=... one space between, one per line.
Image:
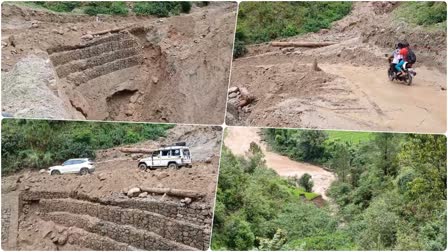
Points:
x=175 y=153
x=165 y=153
x=155 y=153
x=186 y=153
x=68 y=162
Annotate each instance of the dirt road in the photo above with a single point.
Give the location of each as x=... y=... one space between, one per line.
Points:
x=396 y=103
x=238 y=140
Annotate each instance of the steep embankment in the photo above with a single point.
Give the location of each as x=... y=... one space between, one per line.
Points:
x=238 y=140
x=130 y=68
x=351 y=90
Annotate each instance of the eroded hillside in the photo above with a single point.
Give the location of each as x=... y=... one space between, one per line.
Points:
x=131 y=68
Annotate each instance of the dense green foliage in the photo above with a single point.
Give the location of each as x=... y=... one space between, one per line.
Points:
x=111 y=8
x=390 y=194
x=255 y=208
x=423 y=13
x=59 y=6
x=40 y=143
x=161 y=9
x=265 y=21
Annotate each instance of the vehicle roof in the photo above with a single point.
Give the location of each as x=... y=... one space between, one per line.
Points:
x=173 y=147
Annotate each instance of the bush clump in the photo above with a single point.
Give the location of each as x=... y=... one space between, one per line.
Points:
x=161 y=9
x=59 y=6
x=110 y=8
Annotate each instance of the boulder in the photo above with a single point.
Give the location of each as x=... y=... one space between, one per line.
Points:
x=233 y=90
x=133 y=192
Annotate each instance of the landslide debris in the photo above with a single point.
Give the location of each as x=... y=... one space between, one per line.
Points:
x=352 y=90
x=131 y=68
x=170 y=208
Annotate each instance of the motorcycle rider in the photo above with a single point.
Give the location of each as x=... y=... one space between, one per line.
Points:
x=404 y=58
x=395 y=57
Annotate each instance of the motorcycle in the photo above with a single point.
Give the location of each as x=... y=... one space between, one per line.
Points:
x=408 y=75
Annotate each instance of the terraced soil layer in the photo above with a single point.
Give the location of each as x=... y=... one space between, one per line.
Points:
x=117 y=68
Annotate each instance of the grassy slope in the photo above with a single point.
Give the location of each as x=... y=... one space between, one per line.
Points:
x=428 y=14
x=350 y=136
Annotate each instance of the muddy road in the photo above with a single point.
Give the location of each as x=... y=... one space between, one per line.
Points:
x=349 y=89
x=238 y=140
x=420 y=107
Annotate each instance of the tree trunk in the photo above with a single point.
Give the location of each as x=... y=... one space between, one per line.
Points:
x=302 y=44
x=135 y=150
x=174 y=192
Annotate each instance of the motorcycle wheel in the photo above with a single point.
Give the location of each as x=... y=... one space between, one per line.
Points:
x=408 y=79
x=390 y=74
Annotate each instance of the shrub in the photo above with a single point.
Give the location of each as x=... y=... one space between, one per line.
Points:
x=306 y=182
x=112 y=8
x=60 y=6
x=161 y=9
x=185 y=7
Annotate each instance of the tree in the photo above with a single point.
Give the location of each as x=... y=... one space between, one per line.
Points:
x=276 y=243
x=306 y=182
x=387 y=147
x=310 y=145
x=341 y=162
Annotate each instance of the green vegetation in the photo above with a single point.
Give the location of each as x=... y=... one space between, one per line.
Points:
x=390 y=194
x=110 y=8
x=40 y=143
x=349 y=136
x=253 y=201
x=160 y=9
x=265 y=21
x=423 y=13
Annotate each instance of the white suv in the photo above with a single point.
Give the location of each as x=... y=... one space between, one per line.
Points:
x=171 y=157
x=80 y=166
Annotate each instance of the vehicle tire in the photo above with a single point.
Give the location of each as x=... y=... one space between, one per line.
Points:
x=142 y=166
x=408 y=79
x=390 y=74
x=55 y=172
x=172 y=165
x=84 y=171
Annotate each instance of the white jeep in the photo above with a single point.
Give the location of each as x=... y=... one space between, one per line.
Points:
x=171 y=157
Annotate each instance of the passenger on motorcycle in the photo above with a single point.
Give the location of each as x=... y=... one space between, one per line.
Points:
x=404 y=58
x=395 y=57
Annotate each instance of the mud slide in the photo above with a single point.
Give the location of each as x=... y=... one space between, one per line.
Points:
x=344 y=85
x=238 y=140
